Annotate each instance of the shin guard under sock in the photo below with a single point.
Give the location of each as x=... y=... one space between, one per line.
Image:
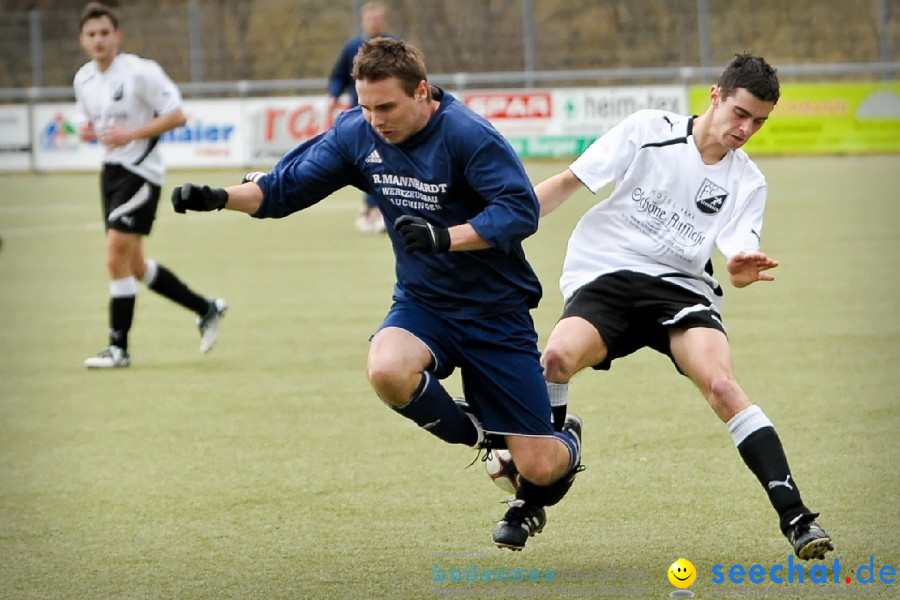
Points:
x=121 y=310
x=761 y=449
x=432 y=409
x=559 y=403
x=165 y=283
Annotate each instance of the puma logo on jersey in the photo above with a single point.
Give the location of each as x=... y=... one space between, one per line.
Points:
x=671 y=124
x=119 y=92
x=374 y=157
x=786 y=483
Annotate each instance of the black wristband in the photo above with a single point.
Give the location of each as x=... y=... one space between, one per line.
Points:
x=441 y=239
x=217 y=198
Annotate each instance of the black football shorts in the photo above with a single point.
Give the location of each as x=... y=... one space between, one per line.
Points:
x=633 y=310
x=129 y=200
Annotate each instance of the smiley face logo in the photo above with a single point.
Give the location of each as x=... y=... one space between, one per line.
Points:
x=682 y=573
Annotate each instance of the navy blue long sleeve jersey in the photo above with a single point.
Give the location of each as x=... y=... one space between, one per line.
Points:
x=456 y=170
x=341 y=78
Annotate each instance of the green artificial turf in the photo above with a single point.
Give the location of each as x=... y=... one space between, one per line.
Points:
x=269 y=469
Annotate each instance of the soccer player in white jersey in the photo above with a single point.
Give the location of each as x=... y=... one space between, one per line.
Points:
x=125 y=103
x=637 y=272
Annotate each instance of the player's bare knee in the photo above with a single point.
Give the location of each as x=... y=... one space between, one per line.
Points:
x=726 y=397
x=538 y=474
x=393 y=383
x=138 y=267
x=536 y=468
x=559 y=366
x=118 y=259
x=117 y=265
x=382 y=374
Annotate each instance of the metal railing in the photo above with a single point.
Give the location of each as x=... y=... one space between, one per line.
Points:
x=247 y=47
x=460 y=81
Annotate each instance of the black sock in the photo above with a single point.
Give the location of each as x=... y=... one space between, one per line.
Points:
x=559 y=403
x=432 y=409
x=121 y=315
x=559 y=416
x=764 y=455
x=167 y=284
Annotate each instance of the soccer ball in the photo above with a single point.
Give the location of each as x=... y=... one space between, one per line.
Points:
x=502 y=470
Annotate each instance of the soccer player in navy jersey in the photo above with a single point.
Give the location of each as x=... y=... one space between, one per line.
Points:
x=458 y=204
x=373 y=23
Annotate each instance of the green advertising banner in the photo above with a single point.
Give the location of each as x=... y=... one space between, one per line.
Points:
x=832 y=118
x=555 y=146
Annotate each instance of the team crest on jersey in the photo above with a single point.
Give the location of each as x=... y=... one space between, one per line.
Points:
x=119 y=92
x=710 y=197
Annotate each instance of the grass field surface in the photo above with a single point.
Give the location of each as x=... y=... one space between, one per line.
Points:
x=269 y=469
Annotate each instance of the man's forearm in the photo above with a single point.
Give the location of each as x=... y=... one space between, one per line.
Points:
x=160 y=125
x=554 y=191
x=246 y=197
x=464 y=237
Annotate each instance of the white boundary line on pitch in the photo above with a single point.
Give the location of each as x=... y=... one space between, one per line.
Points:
x=94 y=226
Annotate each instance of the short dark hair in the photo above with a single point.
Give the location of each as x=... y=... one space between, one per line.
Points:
x=382 y=58
x=97 y=10
x=752 y=73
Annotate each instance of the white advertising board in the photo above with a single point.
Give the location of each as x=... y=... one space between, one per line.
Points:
x=276 y=125
x=564 y=122
x=258 y=131
x=212 y=137
x=56 y=142
x=15 y=139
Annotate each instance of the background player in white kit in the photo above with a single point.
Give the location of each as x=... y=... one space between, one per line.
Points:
x=637 y=271
x=126 y=102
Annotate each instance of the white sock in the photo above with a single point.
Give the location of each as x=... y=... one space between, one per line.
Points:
x=152 y=268
x=746 y=422
x=123 y=288
x=559 y=393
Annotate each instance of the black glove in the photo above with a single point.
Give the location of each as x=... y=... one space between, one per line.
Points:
x=202 y=198
x=421 y=236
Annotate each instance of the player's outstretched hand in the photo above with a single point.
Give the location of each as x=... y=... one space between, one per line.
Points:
x=195 y=197
x=421 y=236
x=747 y=267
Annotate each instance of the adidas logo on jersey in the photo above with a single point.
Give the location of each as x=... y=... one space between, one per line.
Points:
x=253 y=176
x=374 y=157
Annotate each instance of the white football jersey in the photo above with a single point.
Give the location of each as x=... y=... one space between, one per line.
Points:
x=668 y=209
x=131 y=92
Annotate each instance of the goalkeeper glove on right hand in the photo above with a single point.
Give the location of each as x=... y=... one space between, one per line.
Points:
x=200 y=198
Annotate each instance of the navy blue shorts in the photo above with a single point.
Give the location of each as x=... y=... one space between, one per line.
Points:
x=499 y=364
